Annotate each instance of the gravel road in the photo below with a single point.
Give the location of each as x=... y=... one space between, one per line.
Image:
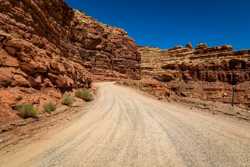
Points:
x=124 y=128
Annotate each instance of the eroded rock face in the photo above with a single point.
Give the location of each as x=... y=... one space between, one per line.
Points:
x=203 y=72
x=46 y=44
x=105 y=50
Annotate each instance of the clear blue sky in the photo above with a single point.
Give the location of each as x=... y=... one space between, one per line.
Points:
x=166 y=23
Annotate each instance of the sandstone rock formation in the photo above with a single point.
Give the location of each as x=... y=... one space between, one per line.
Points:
x=203 y=72
x=47 y=48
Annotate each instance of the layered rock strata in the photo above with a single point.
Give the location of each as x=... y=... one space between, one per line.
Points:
x=47 y=48
x=208 y=73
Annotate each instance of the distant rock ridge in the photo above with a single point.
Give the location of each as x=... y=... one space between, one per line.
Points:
x=203 y=72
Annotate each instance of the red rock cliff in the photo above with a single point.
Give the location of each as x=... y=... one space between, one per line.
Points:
x=47 y=48
x=203 y=72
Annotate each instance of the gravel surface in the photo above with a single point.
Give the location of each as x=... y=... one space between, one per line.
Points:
x=123 y=128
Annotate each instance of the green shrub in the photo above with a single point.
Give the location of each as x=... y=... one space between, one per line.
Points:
x=49 y=107
x=67 y=100
x=27 y=111
x=84 y=94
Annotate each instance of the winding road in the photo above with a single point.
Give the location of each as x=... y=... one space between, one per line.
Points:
x=124 y=128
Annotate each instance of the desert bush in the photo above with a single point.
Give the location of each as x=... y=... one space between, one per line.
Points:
x=49 y=107
x=84 y=94
x=27 y=111
x=67 y=100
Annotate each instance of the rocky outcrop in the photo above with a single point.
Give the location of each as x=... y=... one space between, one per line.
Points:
x=203 y=72
x=150 y=61
x=105 y=50
x=46 y=45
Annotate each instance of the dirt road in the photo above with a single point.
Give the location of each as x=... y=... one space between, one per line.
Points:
x=123 y=128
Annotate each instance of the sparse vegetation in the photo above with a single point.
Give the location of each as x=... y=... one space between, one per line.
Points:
x=49 y=107
x=27 y=111
x=84 y=94
x=67 y=100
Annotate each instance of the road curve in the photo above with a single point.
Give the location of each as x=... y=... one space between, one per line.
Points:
x=124 y=128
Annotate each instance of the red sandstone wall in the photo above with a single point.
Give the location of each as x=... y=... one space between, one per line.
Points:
x=47 y=48
x=202 y=72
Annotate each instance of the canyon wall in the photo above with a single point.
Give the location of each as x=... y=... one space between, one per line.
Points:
x=207 y=73
x=47 y=48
